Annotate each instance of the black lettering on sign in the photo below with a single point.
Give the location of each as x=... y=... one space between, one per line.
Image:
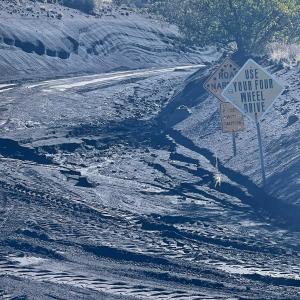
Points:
x=219 y=86
x=264 y=84
x=226 y=75
x=251 y=73
x=253 y=91
x=252 y=96
x=242 y=86
x=254 y=107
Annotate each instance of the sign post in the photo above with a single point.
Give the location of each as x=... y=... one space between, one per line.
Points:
x=261 y=155
x=231 y=119
x=234 y=143
x=252 y=91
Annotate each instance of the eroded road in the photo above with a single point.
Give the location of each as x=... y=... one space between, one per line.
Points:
x=100 y=201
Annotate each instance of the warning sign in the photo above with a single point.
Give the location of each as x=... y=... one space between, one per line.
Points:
x=221 y=78
x=232 y=119
x=253 y=90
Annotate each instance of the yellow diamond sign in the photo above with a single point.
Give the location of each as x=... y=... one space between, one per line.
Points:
x=221 y=78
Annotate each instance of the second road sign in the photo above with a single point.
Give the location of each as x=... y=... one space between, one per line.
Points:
x=231 y=118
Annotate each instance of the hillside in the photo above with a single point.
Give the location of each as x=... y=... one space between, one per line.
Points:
x=44 y=40
x=108 y=154
x=280 y=132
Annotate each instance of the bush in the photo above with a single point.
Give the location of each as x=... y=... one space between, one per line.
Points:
x=86 y=6
x=251 y=24
x=130 y=3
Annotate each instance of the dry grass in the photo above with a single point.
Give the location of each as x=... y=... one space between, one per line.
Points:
x=281 y=52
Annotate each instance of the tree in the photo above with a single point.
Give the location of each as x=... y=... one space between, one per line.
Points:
x=251 y=24
x=86 y=6
x=135 y=3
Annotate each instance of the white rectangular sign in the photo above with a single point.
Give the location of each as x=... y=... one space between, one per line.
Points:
x=232 y=119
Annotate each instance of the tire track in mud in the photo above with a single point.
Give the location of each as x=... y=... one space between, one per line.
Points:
x=94 y=215
x=72 y=203
x=122 y=288
x=133 y=289
x=174 y=156
x=161 y=242
x=166 y=231
x=123 y=257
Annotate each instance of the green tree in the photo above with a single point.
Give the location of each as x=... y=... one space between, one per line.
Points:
x=86 y=6
x=137 y=3
x=251 y=24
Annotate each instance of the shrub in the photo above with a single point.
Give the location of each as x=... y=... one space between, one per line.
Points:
x=86 y=6
x=251 y=24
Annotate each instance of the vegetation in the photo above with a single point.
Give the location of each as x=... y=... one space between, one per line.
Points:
x=251 y=24
x=86 y=6
x=135 y=3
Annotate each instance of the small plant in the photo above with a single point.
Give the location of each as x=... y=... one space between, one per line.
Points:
x=218 y=179
x=217 y=175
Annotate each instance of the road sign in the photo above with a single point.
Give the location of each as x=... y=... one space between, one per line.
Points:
x=221 y=78
x=253 y=90
x=232 y=119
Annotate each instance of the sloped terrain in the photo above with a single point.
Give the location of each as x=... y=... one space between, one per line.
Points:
x=280 y=132
x=107 y=186
x=42 y=40
x=101 y=200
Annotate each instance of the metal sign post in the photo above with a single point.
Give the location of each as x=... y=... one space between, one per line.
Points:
x=261 y=155
x=234 y=143
x=232 y=120
x=253 y=91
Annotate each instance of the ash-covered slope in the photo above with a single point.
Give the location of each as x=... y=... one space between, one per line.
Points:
x=280 y=130
x=44 y=40
x=99 y=201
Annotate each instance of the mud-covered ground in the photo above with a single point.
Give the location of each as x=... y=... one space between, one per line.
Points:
x=101 y=200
